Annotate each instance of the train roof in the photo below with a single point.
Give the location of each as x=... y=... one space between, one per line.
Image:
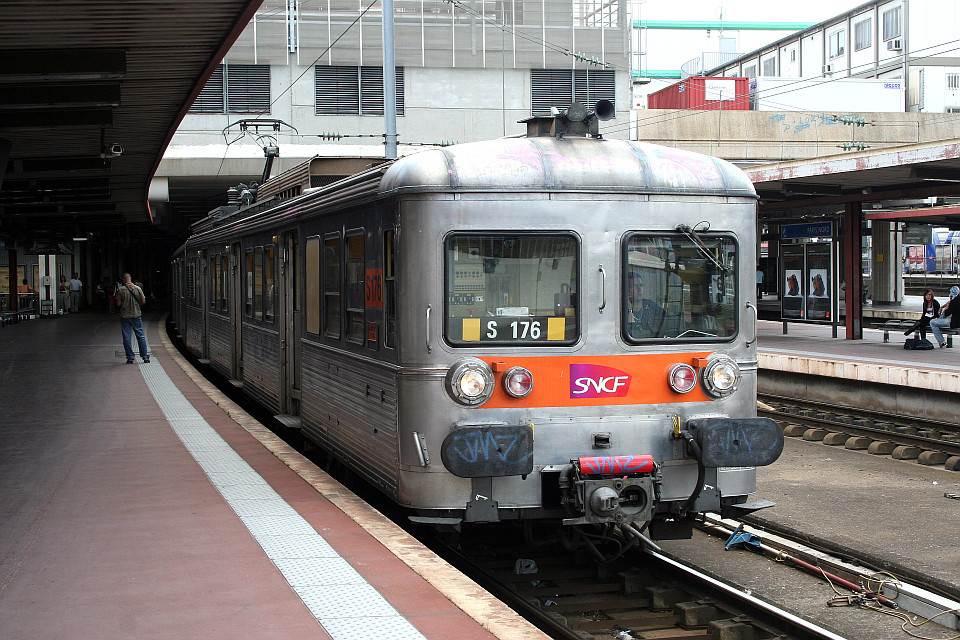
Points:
x=565 y=164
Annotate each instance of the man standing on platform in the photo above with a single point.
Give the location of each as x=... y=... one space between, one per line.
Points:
x=76 y=290
x=129 y=297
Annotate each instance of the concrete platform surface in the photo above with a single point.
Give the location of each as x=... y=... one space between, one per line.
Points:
x=135 y=506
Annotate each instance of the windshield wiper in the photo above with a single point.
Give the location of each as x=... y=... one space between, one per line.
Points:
x=701 y=333
x=698 y=243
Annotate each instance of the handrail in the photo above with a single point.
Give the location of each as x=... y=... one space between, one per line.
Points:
x=603 y=289
x=429 y=348
x=756 y=322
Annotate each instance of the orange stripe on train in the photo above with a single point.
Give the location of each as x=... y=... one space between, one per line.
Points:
x=572 y=381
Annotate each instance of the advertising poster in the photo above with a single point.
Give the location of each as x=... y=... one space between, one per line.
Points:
x=819 y=301
x=793 y=286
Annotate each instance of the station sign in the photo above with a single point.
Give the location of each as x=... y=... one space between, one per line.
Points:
x=809 y=230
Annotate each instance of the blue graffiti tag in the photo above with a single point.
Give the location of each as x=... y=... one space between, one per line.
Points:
x=477 y=445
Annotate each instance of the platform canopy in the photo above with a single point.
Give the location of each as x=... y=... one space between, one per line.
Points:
x=815 y=187
x=91 y=92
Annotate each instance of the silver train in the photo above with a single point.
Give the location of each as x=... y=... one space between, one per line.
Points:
x=555 y=327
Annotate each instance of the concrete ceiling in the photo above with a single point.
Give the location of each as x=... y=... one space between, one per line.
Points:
x=79 y=79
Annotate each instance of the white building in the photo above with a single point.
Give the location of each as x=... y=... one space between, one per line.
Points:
x=914 y=41
x=465 y=71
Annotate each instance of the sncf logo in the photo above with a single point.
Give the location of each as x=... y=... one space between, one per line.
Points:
x=597 y=381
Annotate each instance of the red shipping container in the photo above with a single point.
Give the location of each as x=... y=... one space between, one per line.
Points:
x=703 y=92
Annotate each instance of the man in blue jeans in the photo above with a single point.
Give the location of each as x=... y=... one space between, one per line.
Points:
x=129 y=297
x=949 y=316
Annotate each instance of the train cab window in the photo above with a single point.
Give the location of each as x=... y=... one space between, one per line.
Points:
x=258 y=283
x=331 y=286
x=679 y=287
x=311 y=283
x=248 y=298
x=511 y=289
x=269 y=283
x=356 y=330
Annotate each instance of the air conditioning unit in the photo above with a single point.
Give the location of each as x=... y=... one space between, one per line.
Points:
x=828 y=68
x=895 y=45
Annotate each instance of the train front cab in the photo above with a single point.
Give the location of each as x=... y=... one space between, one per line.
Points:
x=561 y=399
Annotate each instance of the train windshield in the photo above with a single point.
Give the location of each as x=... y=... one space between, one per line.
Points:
x=679 y=287
x=511 y=289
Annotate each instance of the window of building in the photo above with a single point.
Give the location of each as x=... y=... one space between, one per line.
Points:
x=311 y=281
x=235 y=88
x=770 y=67
x=750 y=72
x=863 y=34
x=351 y=91
x=356 y=330
x=836 y=43
x=596 y=13
x=953 y=81
x=892 y=26
x=331 y=286
x=560 y=87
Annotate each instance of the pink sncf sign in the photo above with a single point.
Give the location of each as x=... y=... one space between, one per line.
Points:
x=598 y=381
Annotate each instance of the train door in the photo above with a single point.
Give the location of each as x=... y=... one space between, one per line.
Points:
x=290 y=324
x=236 y=310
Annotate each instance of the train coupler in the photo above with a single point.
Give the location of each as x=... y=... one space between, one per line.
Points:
x=619 y=489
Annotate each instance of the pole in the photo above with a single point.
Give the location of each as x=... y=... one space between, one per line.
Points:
x=389 y=83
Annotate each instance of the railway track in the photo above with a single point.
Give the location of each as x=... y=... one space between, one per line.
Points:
x=901 y=437
x=643 y=594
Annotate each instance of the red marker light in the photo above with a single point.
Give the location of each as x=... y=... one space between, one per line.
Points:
x=682 y=378
x=518 y=382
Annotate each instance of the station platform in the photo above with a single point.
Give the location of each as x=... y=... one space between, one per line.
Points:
x=138 y=503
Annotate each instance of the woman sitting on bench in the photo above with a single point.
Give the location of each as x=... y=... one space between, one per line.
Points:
x=950 y=319
x=931 y=309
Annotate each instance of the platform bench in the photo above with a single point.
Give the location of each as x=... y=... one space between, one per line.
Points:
x=903 y=325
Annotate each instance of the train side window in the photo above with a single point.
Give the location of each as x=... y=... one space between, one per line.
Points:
x=248 y=302
x=258 y=283
x=197 y=281
x=188 y=280
x=512 y=289
x=224 y=282
x=331 y=286
x=311 y=282
x=390 y=289
x=213 y=288
x=269 y=282
x=355 y=293
x=678 y=287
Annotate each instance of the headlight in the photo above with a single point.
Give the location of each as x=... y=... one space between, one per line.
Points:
x=470 y=382
x=721 y=377
x=682 y=377
x=518 y=382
